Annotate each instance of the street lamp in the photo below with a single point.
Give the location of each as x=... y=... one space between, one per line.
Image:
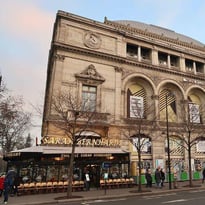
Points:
x=168 y=145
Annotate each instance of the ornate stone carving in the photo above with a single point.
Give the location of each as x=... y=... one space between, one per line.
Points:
x=92 y=40
x=59 y=57
x=91 y=75
x=118 y=69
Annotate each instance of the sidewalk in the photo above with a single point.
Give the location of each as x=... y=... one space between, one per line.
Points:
x=93 y=194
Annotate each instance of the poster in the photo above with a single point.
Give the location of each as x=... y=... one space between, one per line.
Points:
x=160 y=163
x=194 y=113
x=136 y=107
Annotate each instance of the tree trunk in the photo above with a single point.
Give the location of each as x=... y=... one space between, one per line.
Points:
x=70 y=172
x=140 y=172
x=190 y=170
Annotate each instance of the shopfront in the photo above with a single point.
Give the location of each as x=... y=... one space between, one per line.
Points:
x=50 y=163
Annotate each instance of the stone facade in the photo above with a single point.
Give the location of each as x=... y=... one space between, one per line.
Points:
x=130 y=62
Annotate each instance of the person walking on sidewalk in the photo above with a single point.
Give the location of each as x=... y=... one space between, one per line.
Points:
x=87 y=181
x=162 y=177
x=2 y=184
x=148 y=178
x=158 y=177
x=8 y=184
x=203 y=175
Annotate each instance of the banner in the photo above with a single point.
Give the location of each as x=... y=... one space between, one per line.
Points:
x=136 y=107
x=194 y=113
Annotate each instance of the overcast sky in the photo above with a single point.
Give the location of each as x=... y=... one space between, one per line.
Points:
x=26 y=30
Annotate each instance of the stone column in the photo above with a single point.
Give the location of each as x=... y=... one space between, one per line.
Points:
x=57 y=75
x=182 y=63
x=139 y=53
x=155 y=56
x=121 y=49
x=156 y=104
x=194 y=67
x=118 y=85
x=168 y=61
x=133 y=168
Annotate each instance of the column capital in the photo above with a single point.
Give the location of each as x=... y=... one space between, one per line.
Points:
x=118 y=69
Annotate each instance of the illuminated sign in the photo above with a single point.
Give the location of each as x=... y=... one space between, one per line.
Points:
x=84 y=142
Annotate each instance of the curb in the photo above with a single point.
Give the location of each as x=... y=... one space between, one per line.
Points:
x=143 y=193
x=85 y=199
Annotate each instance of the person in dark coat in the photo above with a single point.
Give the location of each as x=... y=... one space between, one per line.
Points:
x=203 y=175
x=16 y=183
x=162 y=177
x=148 y=178
x=8 y=184
x=158 y=178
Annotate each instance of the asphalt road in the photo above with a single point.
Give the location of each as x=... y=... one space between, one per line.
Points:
x=190 y=197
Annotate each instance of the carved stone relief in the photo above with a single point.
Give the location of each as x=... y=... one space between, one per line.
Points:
x=90 y=74
x=92 y=40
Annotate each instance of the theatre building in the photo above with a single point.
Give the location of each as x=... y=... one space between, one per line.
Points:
x=143 y=80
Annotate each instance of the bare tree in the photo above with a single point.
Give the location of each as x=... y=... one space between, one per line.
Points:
x=14 y=121
x=192 y=131
x=72 y=116
x=141 y=124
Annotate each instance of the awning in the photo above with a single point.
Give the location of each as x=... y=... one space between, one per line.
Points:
x=67 y=150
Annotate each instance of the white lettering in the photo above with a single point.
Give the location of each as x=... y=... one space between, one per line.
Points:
x=83 y=142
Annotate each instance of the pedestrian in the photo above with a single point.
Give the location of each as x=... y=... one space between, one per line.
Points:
x=148 y=178
x=2 y=184
x=158 y=177
x=87 y=181
x=203 y=175
x=162 y=177
x=8 y=184
x=16 y=183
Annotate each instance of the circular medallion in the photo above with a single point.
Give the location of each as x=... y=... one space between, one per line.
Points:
x=92 y=40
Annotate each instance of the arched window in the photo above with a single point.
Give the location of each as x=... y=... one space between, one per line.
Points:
x=176 y=146
x=167 y=101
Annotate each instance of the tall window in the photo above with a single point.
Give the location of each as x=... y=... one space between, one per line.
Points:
x=162 y=57
x=132 y=50
x=170 y=106
x=89 y=94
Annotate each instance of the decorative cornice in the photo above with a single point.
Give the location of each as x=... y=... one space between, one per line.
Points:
x=131 y=30
x=124 y=30
x=123 y=60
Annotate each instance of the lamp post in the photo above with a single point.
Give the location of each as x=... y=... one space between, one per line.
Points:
x=168 y=145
